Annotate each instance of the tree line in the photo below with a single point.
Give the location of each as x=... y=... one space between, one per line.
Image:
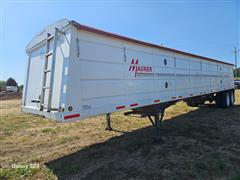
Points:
x=236 y=73
x=10 y=82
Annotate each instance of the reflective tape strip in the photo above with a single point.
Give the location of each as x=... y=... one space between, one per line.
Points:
x=120 y=107
x=132 y=105
x=71 y=116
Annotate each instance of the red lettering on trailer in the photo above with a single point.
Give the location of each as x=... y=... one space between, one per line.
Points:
x=132 y=105
x=71 y=116
x=135 y=67
x=120 y=107
x=157 y=100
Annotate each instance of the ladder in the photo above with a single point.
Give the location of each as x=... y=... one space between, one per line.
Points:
x=46 y=70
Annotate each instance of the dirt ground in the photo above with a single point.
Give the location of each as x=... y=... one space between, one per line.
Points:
x=199 y=143
x=10 y=95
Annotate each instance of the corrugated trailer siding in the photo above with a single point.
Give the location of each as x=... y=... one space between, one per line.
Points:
x=146 y=44
x=98 y=73
x=106 y=81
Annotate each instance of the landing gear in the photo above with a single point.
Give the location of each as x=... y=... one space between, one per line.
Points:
x=154 y=111
x=158 y=117
x=108 y=123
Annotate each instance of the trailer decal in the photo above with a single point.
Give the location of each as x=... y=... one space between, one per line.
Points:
x=135 y=67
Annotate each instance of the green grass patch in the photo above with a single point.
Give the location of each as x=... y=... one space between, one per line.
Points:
x=13 y=173
x=49 y=130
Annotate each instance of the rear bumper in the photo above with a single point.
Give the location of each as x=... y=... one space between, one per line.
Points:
x=51 y=115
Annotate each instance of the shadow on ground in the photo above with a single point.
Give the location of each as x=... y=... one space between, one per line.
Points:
x=202 y=144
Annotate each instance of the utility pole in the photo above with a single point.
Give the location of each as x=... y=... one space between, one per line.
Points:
x=235 y=55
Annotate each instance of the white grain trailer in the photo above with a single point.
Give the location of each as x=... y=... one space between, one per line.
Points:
x=75 y=71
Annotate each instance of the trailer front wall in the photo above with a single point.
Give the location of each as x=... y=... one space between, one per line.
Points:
x=103 y=77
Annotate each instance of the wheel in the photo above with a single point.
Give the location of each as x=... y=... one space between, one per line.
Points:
x=232 y=98
x=223 y=99
x=219 y=99
x=227 y=99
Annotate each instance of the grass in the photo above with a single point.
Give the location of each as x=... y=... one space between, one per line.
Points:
x=17 y=172
x=199 y=143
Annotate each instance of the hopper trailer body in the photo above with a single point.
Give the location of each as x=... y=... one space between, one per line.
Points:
x=75 y=71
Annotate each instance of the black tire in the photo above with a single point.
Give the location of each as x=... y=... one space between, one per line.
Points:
x=223 y=99
x=232 y=98
x=227 y=99
x=219 y=99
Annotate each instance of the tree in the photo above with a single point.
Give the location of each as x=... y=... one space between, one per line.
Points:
x=2 y=85
x=20 y=88
x=236 y=72
x=11 y=82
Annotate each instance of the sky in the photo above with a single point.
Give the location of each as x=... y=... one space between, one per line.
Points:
x=206 y=28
